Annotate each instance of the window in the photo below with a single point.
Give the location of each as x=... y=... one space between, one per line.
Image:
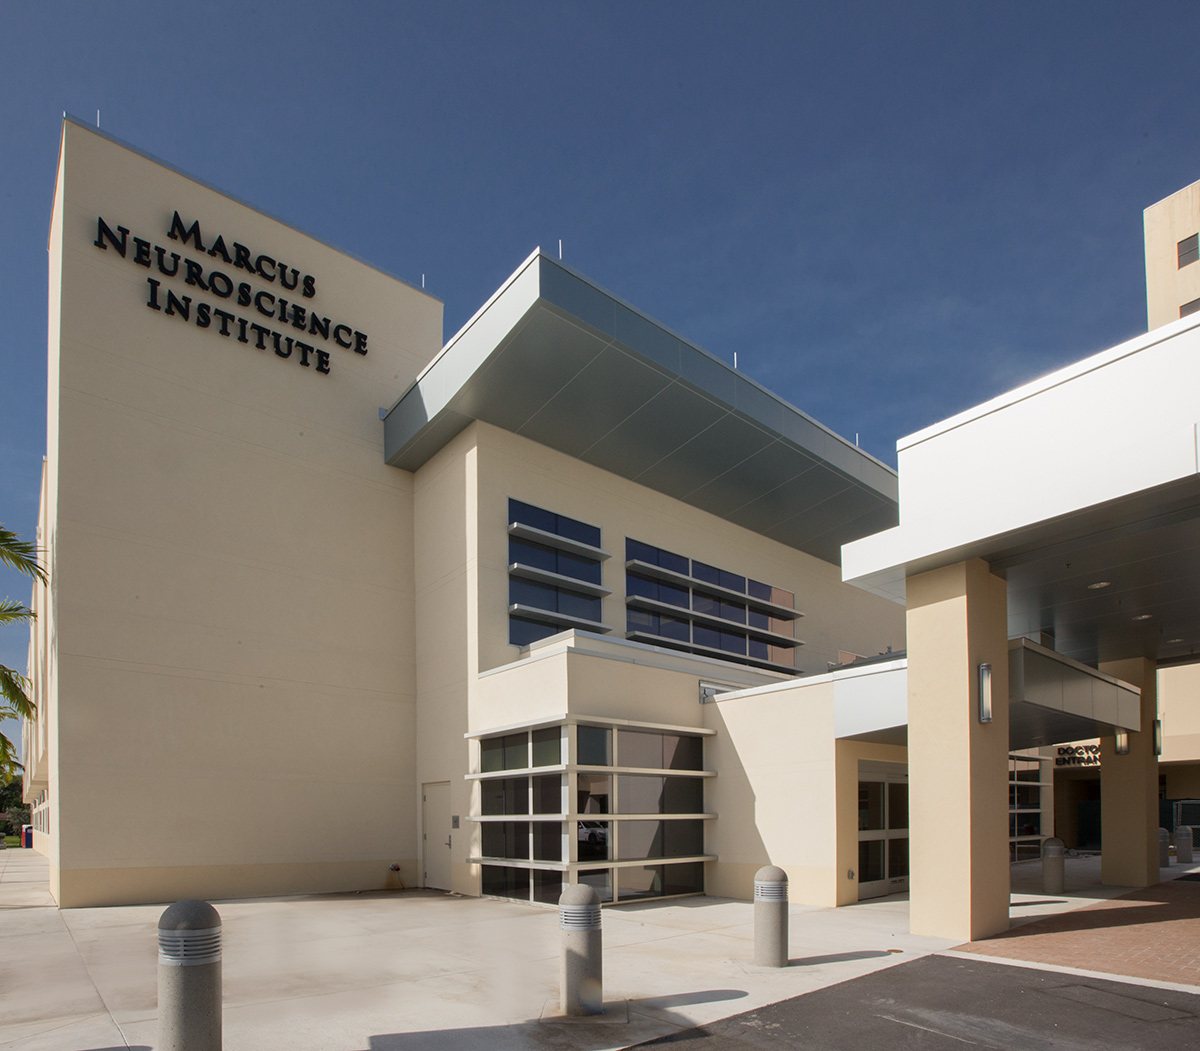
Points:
x=1189 y=308
x=554 y=574
x=632 y=835
x=690 y=605
x=1189 y=251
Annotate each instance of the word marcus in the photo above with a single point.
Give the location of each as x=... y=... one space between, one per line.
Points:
x=265 y=303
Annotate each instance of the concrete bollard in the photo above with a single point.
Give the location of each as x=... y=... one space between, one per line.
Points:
x=1183 y=844
x=581 y=977
x=771 y=917
x=189 y=977
x=1164 y=848
x=1054 y=860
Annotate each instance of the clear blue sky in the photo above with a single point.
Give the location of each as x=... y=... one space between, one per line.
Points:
x=890 y=211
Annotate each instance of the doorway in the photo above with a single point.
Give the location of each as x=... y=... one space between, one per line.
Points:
x=882 y=829
x=436 y=835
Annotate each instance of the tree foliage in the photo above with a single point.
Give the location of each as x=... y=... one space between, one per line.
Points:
x=22 y=556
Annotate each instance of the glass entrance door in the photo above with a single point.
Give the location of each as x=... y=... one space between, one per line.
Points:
x=882 y=833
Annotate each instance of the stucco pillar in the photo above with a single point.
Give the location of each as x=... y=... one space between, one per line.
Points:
x=1129 y=790
x=957 y=766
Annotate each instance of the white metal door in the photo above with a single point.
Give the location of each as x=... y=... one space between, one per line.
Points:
x=436 y=835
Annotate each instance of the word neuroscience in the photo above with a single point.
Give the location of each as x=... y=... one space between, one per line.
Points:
x=263 y=302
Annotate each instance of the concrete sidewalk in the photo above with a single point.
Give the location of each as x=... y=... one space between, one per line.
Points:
x=412 y=970
x=422 y=970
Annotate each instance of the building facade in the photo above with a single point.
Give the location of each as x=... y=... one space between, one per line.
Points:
x=334 y=606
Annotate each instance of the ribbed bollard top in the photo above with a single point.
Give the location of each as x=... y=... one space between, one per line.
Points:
x=579 y=908
x=1054 y=848
x=189 y=933
x=1163 y=834
x=770 y=884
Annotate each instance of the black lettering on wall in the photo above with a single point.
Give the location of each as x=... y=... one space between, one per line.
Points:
x=219 y=248
x=225 y=317
x=203 y=315
x=323 y=361
x=261 y=332
x=152 y=302
x=141 y=252
x=162 y=267
x=195 y=274
x=339 y=339
x=283 y=277
x=310 y=286
x=360 y=342
x=318 y=326
x=178 y=232
x=267 y=273
x=181 y=305
x=104 y=233
x=220 y=284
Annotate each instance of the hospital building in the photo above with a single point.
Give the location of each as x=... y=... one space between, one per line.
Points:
x=337 y=604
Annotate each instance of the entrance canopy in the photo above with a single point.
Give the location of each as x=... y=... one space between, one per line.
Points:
x=1081 y=489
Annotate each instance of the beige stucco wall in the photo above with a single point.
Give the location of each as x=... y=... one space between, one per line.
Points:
x=1166 y=224
x=232 y=560
x=837 y=617
x=470 y=679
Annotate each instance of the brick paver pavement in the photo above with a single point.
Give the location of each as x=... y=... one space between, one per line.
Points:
x=1152 y=933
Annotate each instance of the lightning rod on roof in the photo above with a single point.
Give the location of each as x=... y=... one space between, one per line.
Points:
x=735 y=359
x=97 y=118
x=560 y=248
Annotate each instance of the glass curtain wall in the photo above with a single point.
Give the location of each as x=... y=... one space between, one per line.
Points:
x=627 y=817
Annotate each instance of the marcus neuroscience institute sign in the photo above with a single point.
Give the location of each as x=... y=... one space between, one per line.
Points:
x=247 y=295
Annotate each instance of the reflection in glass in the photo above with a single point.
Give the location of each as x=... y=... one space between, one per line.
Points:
x=897 y=857
x=660 y=839
x=594 y=840
x=650 y=794
x=547 y=886
x=593 y=792
x=683 y=752
x=505 y=839
x=594 y=745
x=547 y=840
x=635 y=748
x=502 y=882
x=504 y=795
x=870 y=860
x=897 y=804
x=641 y=882
x=870 y=805
x=598 y=879
x=547 y=794
x=547 y=746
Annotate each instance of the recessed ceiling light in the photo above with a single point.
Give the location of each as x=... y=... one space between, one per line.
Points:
x=1143 y=616
x=1099 y=584
x=1171 y=642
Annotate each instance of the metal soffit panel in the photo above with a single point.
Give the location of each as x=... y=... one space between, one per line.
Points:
x=556 y=359
x=1148 y=562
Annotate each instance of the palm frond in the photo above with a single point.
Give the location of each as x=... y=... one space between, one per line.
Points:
x=14 y=690
x=22 y=555
x=9 y=767
x=14 y=612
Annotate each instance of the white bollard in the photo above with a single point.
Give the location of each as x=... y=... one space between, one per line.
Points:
x=581 y=974
x=771 y=917
x=1183 y=844
x=189 y=977
x=1054 y=852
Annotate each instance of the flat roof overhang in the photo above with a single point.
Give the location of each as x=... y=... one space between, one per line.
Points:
x=557 y=359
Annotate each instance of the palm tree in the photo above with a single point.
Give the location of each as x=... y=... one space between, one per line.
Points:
x=22 y=556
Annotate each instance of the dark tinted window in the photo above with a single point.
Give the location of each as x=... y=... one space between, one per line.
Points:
x=1189 y=250
x=522 y=632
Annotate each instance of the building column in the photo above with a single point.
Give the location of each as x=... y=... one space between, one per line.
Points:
x=957 y=766
x=1129 y=789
